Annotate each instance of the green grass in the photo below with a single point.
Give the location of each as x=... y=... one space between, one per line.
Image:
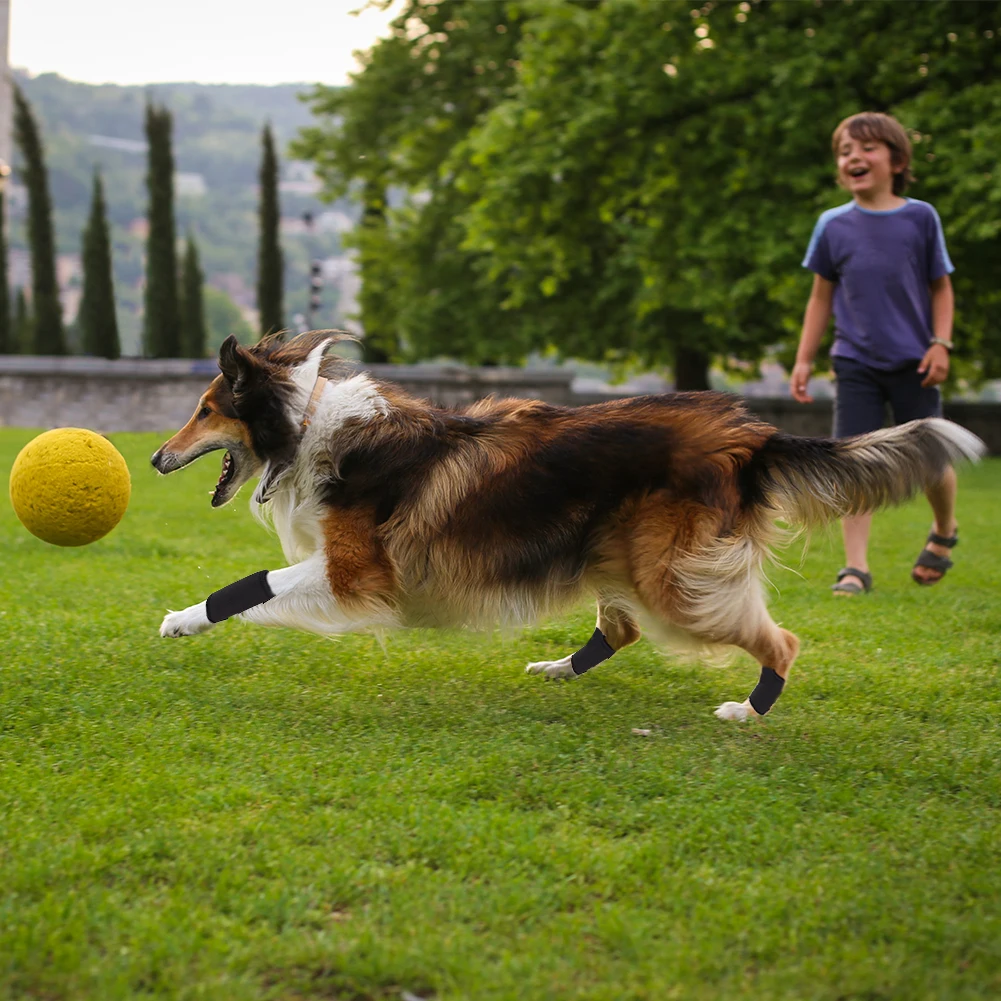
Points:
x=265 y=814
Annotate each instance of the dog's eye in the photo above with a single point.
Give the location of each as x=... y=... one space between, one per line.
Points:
x=203 y=413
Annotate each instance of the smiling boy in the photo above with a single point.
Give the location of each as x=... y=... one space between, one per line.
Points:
x=881 y=266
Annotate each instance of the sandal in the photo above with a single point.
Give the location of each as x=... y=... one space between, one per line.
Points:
x=850 y=587
x=933 y=561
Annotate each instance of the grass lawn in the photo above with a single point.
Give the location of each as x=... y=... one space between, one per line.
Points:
x=261 y=814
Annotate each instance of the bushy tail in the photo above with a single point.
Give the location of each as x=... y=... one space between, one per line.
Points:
x=811 y=481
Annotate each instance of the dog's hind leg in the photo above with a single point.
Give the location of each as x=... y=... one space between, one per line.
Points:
x=716 y=598
x=775 y=650
x=615 y=629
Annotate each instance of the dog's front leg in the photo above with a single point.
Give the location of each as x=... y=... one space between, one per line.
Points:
x=297 y=596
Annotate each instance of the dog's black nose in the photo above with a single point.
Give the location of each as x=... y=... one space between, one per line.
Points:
x=155 y=459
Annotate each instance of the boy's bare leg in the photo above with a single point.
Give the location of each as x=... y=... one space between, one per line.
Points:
x=942 y=497
x=855 y=531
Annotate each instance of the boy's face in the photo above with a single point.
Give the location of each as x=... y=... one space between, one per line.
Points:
x=865 y=166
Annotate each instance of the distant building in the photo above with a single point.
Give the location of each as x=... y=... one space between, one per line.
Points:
x=299 y=179
x=188 y=185
x=124 y=145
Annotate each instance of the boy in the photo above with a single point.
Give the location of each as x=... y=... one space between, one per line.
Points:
x=880 y=264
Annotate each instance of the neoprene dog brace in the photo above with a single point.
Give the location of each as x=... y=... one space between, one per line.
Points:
x=238 y=597
x=767 y=690
x=593 y=653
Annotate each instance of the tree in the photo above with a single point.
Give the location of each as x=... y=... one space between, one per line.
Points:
x=269 y=254
x=47 y=329
x=419 y=93
x=161 y=322
x=8 y=343
x=194 y=334
x=23 y=333
x=223 y=317
x=97 y=318
x=642 y=182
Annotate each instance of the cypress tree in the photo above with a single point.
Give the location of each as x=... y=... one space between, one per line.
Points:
x=48 y=336
x=8 y=345
x=193 y=331
x=161 y=323
x=269 y=253
x=23 y=334
x=98 y=323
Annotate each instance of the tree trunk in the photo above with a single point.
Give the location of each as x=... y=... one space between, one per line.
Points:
x=691 y=369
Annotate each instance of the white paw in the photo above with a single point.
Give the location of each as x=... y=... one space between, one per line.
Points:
x=188 y=622
x=738 y=711
x=552 y=668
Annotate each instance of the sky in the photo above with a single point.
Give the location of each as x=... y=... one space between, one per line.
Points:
x=204 y=41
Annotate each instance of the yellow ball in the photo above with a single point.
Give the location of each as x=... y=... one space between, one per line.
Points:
x=70 y=486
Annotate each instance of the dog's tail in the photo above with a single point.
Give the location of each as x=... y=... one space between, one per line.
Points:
x=811 y=481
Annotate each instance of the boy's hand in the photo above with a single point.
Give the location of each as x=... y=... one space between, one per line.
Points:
x=936 y=364
x=799 y=379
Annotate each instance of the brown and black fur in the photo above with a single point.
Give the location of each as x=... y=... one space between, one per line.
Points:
x=661 y=507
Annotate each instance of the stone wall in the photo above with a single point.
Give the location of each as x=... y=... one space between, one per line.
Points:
x=133 y=394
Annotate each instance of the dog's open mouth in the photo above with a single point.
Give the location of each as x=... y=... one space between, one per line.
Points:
x=225 y=477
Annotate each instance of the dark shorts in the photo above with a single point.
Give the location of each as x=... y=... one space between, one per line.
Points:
x=862 y=394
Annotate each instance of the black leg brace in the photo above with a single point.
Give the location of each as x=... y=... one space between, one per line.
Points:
x=766 y=692
x=238 y=597
x=596 y=650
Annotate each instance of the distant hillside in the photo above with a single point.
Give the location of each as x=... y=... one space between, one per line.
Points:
x=216 y=148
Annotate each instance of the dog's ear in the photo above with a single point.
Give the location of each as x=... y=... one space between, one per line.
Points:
x=235 y=363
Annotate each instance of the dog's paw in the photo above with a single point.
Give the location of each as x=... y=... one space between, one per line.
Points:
x=188 y=622
x=552 y=668
x=738 y=711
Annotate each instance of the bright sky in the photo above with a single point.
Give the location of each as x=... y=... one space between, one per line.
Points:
x=205 y=41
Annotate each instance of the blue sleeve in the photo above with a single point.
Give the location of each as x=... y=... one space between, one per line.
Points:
x=939 y=263
x=818 y=253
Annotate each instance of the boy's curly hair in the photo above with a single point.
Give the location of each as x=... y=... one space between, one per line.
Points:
x=877 y=127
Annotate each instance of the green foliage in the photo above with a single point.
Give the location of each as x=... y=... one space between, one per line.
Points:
x=161 y=319
x=269 y=254
x=420 y=92
x=260 y=814
x=638 y=179
x=97 y=319
x=194 y=332
x=222 y=318
x=8 y=342
x=23 y=324
x=47 y=326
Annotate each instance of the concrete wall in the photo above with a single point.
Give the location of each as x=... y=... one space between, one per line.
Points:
x=134 y=394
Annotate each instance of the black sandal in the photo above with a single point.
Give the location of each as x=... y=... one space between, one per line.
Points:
x=850 y=587
x=933 y=561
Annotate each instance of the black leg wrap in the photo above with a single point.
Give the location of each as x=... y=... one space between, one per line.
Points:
x=235 y=598
x=766 y=692
x=596 y=650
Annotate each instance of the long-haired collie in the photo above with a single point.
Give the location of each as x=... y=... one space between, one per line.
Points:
x=393 y=512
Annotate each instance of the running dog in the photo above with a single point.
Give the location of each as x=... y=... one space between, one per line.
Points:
x=393 y=512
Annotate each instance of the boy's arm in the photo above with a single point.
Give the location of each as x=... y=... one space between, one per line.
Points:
x=815 y=320
x=936 y=360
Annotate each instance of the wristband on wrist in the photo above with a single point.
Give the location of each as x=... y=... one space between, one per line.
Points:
x=946 y=344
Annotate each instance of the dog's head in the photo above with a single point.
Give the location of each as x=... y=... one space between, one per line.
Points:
x=253 y=410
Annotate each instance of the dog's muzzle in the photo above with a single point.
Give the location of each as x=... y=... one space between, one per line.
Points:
x=165 y=462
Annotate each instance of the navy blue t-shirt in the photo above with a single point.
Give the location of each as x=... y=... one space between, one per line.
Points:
x=881 y=264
